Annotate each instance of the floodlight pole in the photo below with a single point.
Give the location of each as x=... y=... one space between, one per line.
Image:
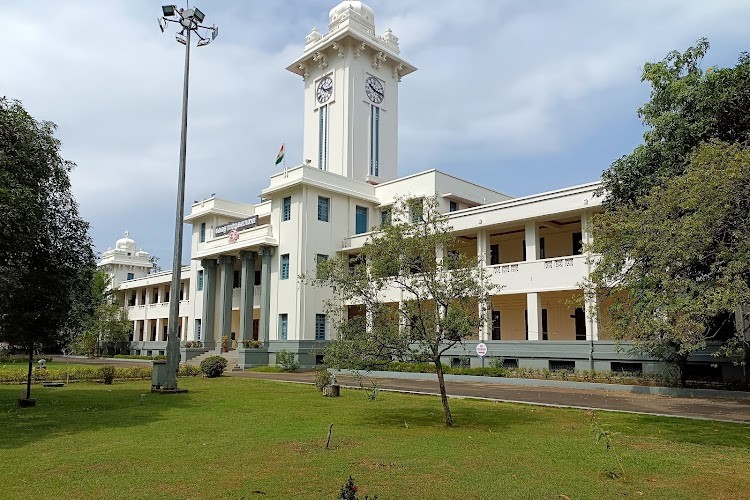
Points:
x=188 y=24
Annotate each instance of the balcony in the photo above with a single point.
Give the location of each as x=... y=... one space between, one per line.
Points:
x=547 y=275
x=153 y=311
x=560 y=273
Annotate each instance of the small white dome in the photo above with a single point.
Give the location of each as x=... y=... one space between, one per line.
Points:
x=142 y=253
x=366 y=14
x=125 y=243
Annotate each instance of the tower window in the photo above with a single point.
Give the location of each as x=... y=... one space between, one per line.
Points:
x=319 y=259
x=200 y=280
x=323 y=137
x=203 y=233
x=283 y=326
x=453 y=206
x=131 y=276
x=285 y=266
x=320 y=327
x=286 y=208
x=374 y=140
x=360 y=220
x=324 y=205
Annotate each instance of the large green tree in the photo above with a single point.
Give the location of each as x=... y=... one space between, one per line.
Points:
x=107 y=331
x=688 y=106
x=413 y=295
x=677 y=266
x=46 y=259
x=670 y=238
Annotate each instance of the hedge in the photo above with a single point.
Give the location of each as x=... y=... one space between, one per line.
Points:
x=86 y=374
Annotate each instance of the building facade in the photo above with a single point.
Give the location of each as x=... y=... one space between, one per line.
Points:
x=242 y=281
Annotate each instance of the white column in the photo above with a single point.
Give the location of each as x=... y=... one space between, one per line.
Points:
x=485 y=311
x=483 y=247
x=135 y=331
x=439 y=253
x=590 y=308
x=159 y=323
x=532 y=239
x=534 y=312
x=146 y=330
x=590 y=300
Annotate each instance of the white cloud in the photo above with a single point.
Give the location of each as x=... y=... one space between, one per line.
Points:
x=507 y=79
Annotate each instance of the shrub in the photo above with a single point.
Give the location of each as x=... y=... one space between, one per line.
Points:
x=189 y=371
x=213 y=366
x=349 y=491
x=107 y=374
x=287 y=360
x=254 y=344
x=192 y=343
x=322 y=378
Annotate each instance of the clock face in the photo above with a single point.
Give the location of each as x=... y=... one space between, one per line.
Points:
x=374 y=89
x=325 y=89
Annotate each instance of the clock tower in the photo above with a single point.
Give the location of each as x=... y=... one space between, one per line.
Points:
x=351 y=78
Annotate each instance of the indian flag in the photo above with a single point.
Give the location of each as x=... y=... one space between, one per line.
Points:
x=280 y=156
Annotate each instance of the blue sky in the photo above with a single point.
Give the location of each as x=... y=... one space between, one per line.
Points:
x=522 y=97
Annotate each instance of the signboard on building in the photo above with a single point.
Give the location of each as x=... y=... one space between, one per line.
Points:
x=240 y=225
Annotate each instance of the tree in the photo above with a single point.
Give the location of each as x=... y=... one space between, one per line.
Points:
x=108 y=330
x=678 y=264
x=413 y=296
x=687 y=107
x=46 y=260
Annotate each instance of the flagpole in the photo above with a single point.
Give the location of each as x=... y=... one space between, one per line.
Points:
x=283 y=145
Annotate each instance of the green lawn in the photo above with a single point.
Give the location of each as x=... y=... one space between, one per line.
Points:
x=232 y=437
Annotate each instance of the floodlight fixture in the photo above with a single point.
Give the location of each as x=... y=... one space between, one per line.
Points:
x=162 y=23
x=203 y=42
x=214 y=32
x=181 y=39
x=198 y=14
x=169 y=10
x=188 y=13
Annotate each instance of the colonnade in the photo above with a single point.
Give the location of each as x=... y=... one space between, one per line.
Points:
x=219 y=273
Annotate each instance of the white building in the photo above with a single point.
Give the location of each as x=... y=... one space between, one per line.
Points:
x=245 y=257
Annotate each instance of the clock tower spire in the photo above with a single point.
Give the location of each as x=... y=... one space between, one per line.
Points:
x=351 y=78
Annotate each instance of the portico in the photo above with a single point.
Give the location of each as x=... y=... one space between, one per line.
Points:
x=229 y=287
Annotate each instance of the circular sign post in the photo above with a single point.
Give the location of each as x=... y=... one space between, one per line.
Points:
x=482 y=351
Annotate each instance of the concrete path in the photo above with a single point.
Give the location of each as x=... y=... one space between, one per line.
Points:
x=696 y=408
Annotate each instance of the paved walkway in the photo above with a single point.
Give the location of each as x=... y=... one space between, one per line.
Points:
x=697 y=408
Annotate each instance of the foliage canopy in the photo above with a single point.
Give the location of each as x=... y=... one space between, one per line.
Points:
x=412 y=293
x=673 y=241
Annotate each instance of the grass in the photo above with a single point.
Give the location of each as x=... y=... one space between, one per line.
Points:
x=232 y=437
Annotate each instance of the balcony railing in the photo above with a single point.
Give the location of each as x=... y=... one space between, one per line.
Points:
x=561 y=273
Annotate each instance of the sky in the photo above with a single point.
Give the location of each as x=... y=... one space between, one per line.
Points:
x=519 y=96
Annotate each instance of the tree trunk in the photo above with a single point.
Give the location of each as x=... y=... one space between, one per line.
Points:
x=28 y=376
x=443 y=395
